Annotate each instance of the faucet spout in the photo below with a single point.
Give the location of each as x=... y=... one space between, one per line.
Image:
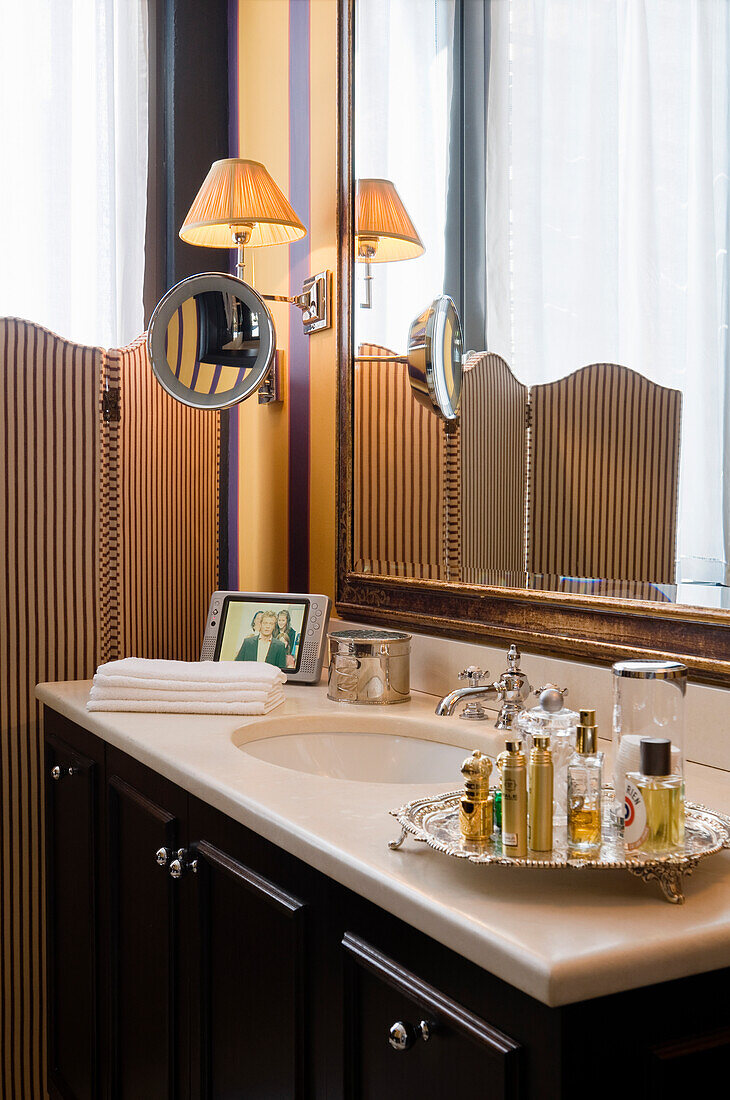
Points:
x=450 y=702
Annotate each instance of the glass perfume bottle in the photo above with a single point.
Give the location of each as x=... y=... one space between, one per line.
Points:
x=654 y=806
x=584 y=789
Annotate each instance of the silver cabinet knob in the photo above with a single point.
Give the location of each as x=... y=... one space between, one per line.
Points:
x=176 y=868
x=403 y=1035
x=57 y=772
x=162 y=855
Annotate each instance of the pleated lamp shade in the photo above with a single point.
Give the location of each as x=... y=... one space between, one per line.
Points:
x=240 y=194
x=382 y=225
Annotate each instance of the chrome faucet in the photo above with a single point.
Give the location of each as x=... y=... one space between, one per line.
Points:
x=510 y=690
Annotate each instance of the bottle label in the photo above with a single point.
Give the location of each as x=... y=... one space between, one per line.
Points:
x=510 y=839
x=635 y=830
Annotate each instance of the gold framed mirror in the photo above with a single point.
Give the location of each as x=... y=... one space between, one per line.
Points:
x=546 y=603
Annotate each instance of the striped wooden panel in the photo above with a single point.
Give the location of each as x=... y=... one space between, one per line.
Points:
x=493 y=462
x=398 y=474
x=604 y=476
x=167 y=513
x=49 y=630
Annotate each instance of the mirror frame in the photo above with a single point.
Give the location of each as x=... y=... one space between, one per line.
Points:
x=585 y=628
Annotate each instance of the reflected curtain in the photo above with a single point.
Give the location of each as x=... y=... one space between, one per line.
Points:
x=404 y=52
x=608 y=219
x=465 y=274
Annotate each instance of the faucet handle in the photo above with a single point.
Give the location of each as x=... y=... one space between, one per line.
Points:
x=474 y=675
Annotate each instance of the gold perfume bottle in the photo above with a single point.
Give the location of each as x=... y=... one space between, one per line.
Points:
x=511 y=763
x=584 y=789
x=540 y=797
x=476 y=819
x=654 y=805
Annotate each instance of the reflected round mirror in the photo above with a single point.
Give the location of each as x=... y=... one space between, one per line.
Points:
x=434 y=358
x=211 y=341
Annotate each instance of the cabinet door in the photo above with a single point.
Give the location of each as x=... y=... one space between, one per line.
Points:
x=250 y=974
x=148 y=1045
x=455 y=1054
x=72 y=941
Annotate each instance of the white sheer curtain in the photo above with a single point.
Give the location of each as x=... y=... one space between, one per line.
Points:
x=608 y=217
x=403 y=67
x=73 y=119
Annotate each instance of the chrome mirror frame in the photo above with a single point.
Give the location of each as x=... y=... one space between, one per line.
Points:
x=427 y=368
x=163 y=314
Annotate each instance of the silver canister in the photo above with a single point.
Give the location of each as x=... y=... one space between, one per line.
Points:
x=369 y=666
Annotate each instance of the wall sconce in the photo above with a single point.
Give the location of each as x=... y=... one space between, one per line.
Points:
x=211 y=339
x=383 y=230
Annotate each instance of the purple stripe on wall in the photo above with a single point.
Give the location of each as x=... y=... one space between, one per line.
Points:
x=299 y=156
x=232 y=414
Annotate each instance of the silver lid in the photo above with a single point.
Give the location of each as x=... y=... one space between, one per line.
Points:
x=651 y=670
x=370 y=642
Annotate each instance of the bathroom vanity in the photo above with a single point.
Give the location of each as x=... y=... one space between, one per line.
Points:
x=223 y=926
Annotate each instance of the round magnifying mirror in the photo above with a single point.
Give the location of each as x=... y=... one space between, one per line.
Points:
x=435 y=346
x=211 y=341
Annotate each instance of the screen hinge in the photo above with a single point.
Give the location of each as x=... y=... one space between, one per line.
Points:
x=111 y=408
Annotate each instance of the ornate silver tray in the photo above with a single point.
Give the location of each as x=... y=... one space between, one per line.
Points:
x=435 y=821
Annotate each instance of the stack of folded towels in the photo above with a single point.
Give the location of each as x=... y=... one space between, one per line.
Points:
x=179 y=687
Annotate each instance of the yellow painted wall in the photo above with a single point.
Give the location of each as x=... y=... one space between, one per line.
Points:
x=263 y=74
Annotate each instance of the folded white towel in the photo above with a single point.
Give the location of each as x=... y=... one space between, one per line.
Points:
x=187 y=687
x=102 y=688
x=253 y=672
x=161 y=706
x=141 y=683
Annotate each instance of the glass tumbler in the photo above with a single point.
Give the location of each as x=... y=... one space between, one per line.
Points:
x=648 y=701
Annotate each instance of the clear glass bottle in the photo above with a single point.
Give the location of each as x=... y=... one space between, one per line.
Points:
x=585 y=769
x=648 y=701
x=559 y=722
x=654 y=806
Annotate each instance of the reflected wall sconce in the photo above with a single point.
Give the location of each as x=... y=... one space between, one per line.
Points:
x=384 y=231
x=211 y=339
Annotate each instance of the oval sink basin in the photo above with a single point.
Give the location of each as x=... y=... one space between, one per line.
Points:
x=367 y=757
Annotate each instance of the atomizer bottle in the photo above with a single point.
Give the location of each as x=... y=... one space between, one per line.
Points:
x=540 y=797
x=584 y=789
x=654 y=806
x=476 y=807
x=514 y=799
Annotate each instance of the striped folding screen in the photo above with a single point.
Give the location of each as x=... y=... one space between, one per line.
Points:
x=604 y=475
x=100 y=519
x=162 y=494
x=493 y=464
x=399 y=471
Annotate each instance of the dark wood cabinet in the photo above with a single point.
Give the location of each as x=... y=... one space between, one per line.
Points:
x=189 y=959
x=249 y=1025
x=404 y=1037
x=147 y=1047
x=72 y=903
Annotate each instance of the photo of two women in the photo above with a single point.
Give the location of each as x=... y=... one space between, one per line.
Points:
x=274 y=638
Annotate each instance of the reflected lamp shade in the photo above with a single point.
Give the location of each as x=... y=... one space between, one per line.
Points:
x=383 y=230
x=240 y=196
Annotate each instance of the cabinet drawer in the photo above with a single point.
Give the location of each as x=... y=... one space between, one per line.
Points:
x=441 y=1047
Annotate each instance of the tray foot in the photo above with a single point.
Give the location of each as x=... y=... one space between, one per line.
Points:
x=395 y=844
x=670 y=879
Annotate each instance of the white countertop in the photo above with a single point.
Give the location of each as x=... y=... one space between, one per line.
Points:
x=560 y=936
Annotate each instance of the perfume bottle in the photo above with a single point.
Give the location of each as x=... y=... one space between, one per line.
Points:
x=654 y=806
x=584 y=789
x=540 y=796
x=511 y=763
